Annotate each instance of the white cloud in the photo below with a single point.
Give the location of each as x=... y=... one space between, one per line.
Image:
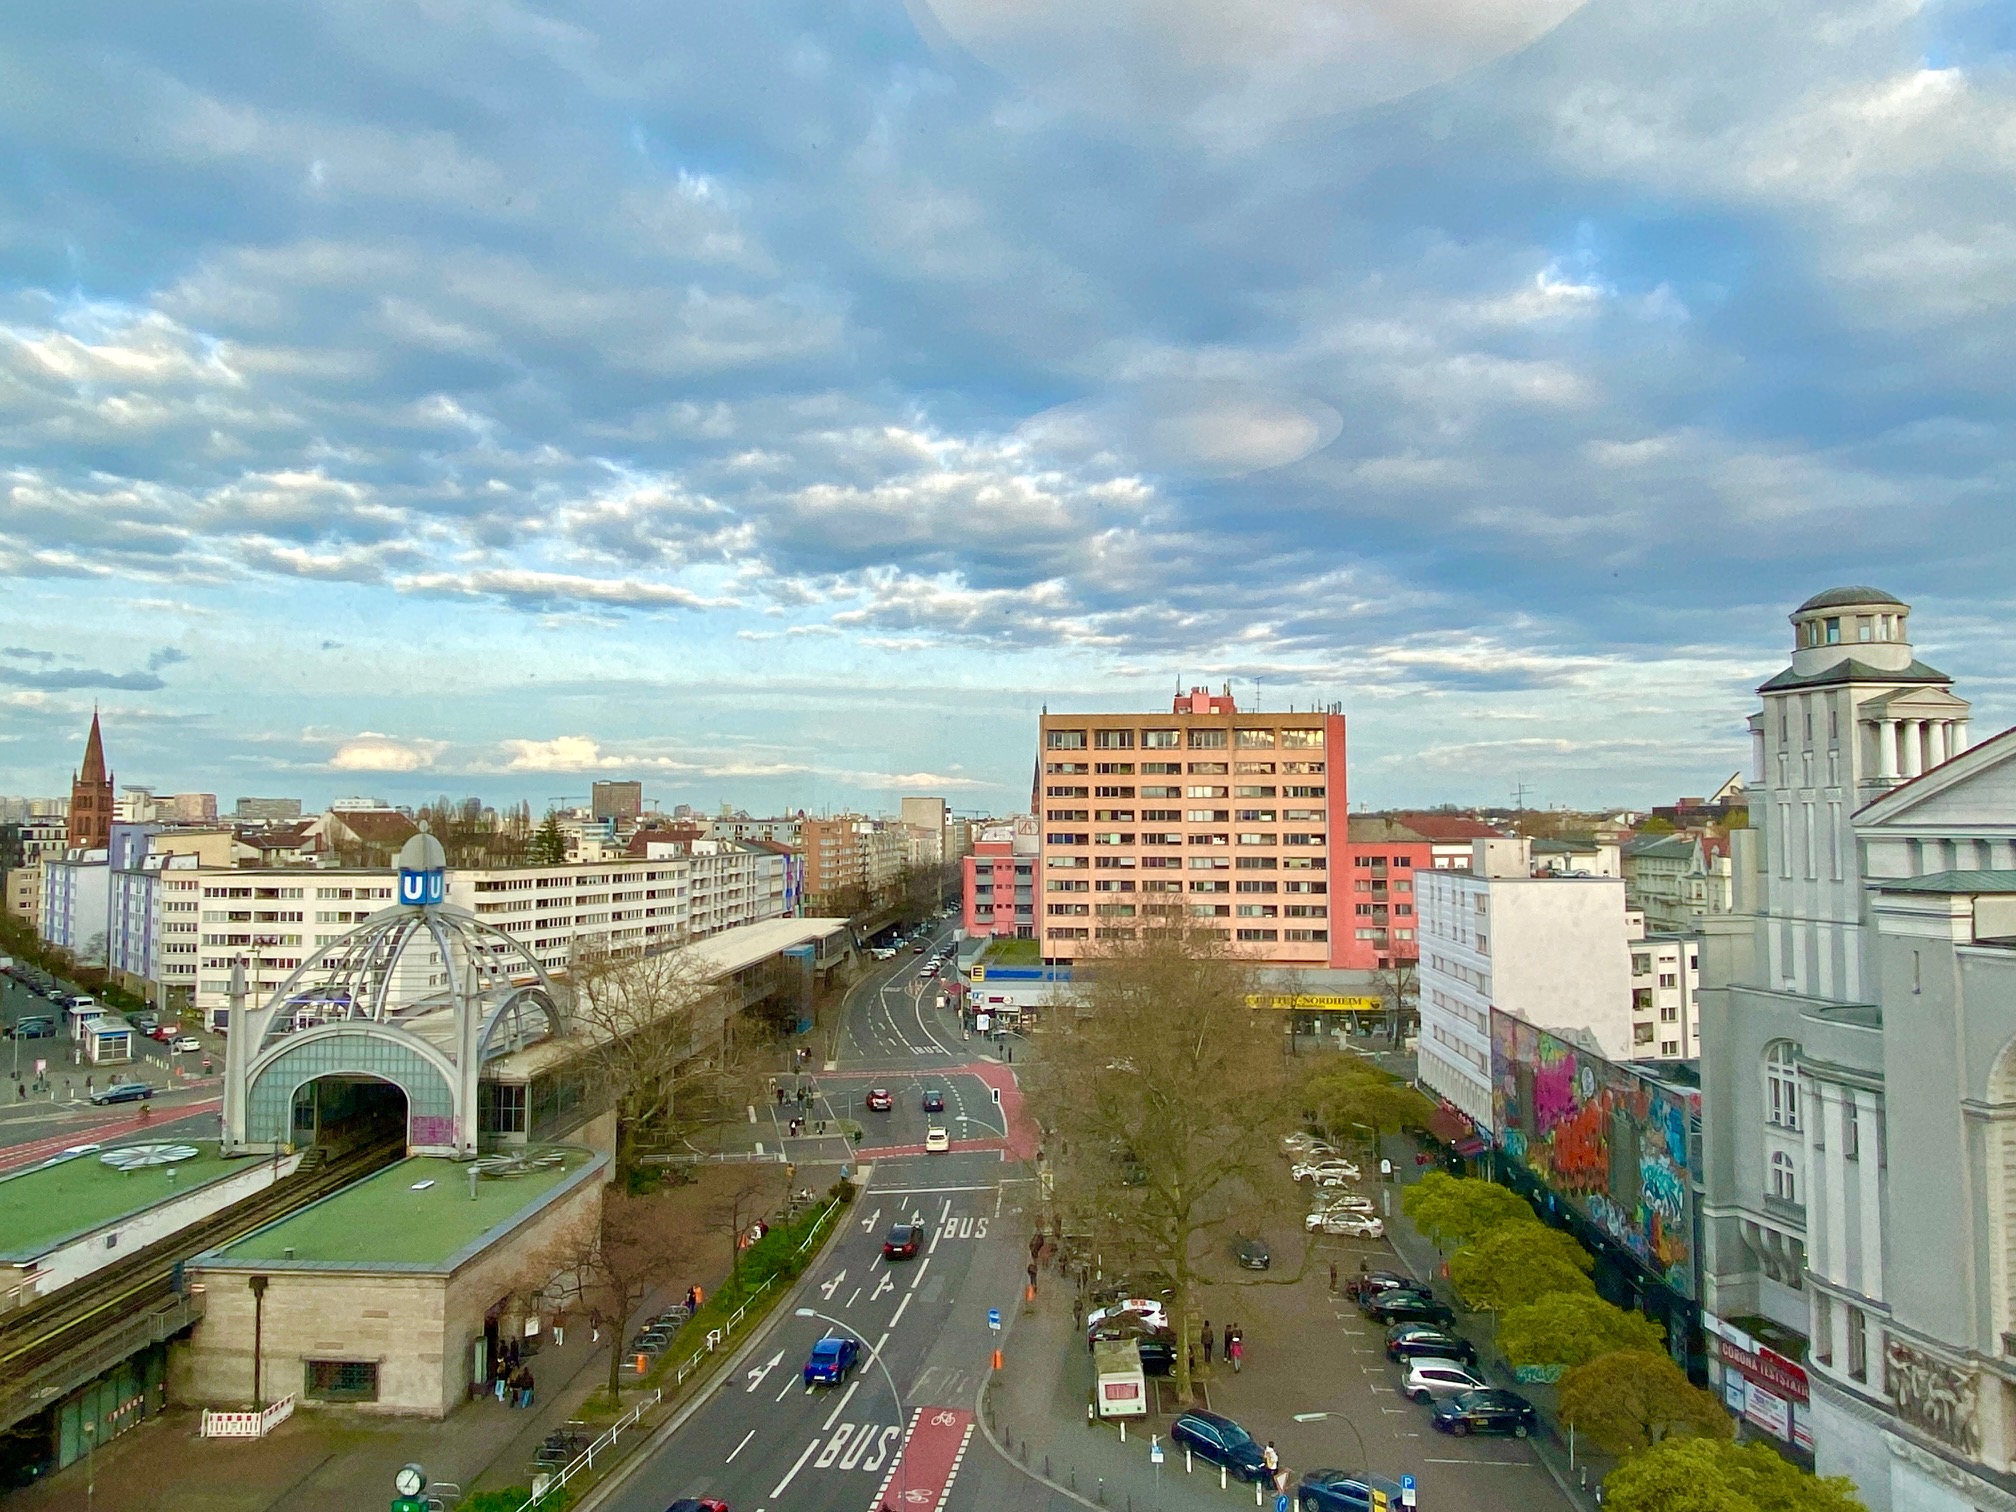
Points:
x=370 y=752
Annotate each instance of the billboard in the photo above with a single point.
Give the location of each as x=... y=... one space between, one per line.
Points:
x=1609 y=1142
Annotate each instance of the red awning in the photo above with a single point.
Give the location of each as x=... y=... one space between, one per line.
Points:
x=1472 y=1147
x=1447 y=1125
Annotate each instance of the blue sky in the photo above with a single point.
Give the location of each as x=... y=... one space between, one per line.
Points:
x=782 y=402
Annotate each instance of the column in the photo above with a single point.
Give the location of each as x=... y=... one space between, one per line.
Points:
x=1886 y=749
x=1911 y=732
x=1958 y=742
x=237 y=1056
x=1936 y=728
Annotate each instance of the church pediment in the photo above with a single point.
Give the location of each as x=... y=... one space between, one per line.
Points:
x=1975 y=790
x=1913 y=703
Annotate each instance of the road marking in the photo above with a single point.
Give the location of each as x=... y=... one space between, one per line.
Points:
x=868 y=1223
x=827 y=1288
x=882 y=1283
x=839 y=1406
x=792 y=1474
x=1503 y=1464
x=899 y=1308
x=922 y=1266
x=788 y=1387
x=931 y=1191
x=850 y=1301
x=758 y=1372
x=739 y=1447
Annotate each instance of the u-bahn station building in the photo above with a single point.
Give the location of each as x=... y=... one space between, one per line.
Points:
x=415 y=1139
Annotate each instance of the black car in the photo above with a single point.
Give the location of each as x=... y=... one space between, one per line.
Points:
x=1344 y=1491
x=902 y=1242
x=1418 y=1341
x=123 y=1092
x=1252 y=1254
x=1489 y=1410
x=1408 y=1307
x=1217 y=1440
x=934 y=1101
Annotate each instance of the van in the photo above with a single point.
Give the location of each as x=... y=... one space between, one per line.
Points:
x=1119 y=1385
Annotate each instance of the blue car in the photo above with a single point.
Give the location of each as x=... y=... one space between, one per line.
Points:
x=831 y=1360
x=1344 y=1491
x=1217 y=1440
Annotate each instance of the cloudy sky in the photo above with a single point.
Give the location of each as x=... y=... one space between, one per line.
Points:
x=781 y=402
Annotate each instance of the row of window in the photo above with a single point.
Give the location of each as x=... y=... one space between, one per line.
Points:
x=1200 y=739
x=1172 y=837
x=1176 y=768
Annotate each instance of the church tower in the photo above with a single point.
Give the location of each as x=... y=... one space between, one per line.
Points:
x=91 y=797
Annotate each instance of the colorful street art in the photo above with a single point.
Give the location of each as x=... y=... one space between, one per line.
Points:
x=1603 y=1139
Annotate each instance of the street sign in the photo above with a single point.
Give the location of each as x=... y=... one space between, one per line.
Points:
x=979 y=971
x=994 y=1318
x=1406 y=1490
x=1155 y=1454
x=996 y=1091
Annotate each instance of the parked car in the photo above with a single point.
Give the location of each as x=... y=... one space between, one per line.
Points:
x=831 y=1359
x=880 y=1100
x=1398 y=1306
x=698 y=1504
x=1148 y=1308
x=1351 y=1225
x=934 y=1100
x=1325 y=1172
x=937 y=1141
x=1371 y=1283
x=1155 y=1343
x=901 y=1242
x=1334 y=1201
x=1419 y=1341
x=1252 y=1253
x=1431 y=1380
x=1217 y=1440
x=1344 y=1491
x=122 y=1092
x=1490 y=1410
x=188 y=1045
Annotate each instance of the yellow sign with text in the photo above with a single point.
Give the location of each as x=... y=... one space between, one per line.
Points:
x=1316 y=1002
x=979 y=971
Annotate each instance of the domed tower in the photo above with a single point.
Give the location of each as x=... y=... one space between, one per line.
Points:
x=1855 y=715
x=417 y=998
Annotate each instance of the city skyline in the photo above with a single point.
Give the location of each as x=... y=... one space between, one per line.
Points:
x=792 y=405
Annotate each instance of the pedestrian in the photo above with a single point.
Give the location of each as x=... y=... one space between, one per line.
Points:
x=530 y=1387
x=87 y=1086
x=1235 y=1346
x=1209 y=1339
x=1077 y=1312
x=1271 y=1458
x=1333 y=1278
x=780 y=1097
x=1032 y=1278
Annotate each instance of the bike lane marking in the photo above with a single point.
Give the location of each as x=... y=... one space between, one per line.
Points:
x=929 y=1460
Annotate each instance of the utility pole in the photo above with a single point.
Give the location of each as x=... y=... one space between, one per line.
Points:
x=1519 y=792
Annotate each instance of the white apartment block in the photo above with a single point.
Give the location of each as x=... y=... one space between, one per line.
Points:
x=729 y=883
x=1553 y=950
x=1665 y=979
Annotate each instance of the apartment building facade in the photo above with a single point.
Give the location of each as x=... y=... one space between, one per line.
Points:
x=1220 y=820
x=1679 y=880
x=998 y=881
x=1665 y=988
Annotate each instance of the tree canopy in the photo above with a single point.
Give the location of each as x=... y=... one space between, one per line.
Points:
x=1630 y=1399
x=1350 y=1097
x=1160 y=1106
x=1453 y=1210
x=1516 y=1262
x=1573 y=1328
x=1709 y=1475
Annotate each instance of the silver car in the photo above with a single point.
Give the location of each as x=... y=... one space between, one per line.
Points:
x=1432 y=1380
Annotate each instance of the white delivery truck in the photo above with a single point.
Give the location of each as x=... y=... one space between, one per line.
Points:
x=1119 y=1386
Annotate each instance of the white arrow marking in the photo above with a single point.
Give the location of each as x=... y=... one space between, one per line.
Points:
x=827 y=1288
x=885 y=1284
x=868 y=1223
x=756 y=1375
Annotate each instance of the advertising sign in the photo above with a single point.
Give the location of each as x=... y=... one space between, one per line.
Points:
x=1312 y=1002
x=1610 y=1143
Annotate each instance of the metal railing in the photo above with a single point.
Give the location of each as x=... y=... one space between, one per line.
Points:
x=585 y=1460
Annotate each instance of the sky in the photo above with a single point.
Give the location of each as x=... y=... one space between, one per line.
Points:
x=782 y=403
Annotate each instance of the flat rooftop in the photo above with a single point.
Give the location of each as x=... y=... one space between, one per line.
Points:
x=46 y=1205
x=416 y=1214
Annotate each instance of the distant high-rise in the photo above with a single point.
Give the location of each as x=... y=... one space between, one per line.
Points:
x=268 y=810
x=621 y=801
x=91 y=796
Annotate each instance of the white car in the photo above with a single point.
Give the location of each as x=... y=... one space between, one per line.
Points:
x=1343 y=1221
x=188 y=1045
x=936 y=1141
x=1326 y=1172
x=1430 y=1380
x=1342 y=1202
x=1147 y=1308
x=1300 y=1144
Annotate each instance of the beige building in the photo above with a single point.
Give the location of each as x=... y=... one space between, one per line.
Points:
x=23 y=900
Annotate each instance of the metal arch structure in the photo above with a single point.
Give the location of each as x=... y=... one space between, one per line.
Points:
x=423 y=980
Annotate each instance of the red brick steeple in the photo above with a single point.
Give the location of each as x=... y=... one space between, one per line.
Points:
x=91 y=796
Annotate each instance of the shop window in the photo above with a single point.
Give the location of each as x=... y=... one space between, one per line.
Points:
x=342 y=1381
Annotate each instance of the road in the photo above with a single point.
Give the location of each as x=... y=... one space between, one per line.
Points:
x=763 y=1440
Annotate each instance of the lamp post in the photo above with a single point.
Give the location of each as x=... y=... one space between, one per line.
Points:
x=902 y=1470
x=1338 y=1417
x=258 y=1285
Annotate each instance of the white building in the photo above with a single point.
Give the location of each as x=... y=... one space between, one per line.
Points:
x=1665 y=987
x=1553 y=950
x=76 y=903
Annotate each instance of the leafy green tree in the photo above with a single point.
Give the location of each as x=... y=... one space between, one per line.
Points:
x=549 y=845
x=1516 y=1262
x=1573 y=1328
x=1453 y=1210
x=1350 y=1096
x=1708 y=1475
x=1631 y=1399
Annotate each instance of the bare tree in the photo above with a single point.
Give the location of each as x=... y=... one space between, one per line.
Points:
x=1399 y=987
x=611 y=1265
x=734 y=1213
x=660 y=1038
x=1161 y=1095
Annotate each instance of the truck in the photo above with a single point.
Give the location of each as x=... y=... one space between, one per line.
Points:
x=1119 y=1385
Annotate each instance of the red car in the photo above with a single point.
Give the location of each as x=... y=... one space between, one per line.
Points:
x=902 y=1242
x=880 y=1100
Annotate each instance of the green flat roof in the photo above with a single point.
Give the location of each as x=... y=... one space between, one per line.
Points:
x=384 y=1221
x=47 y=1204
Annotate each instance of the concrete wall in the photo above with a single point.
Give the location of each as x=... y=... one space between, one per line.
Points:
x=1559 y=957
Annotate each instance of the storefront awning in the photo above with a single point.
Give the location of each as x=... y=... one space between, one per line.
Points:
x=1472 y=1147
x=1447 y=1125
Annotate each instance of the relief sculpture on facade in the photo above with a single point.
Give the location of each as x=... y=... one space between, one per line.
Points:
x=1933 y=1395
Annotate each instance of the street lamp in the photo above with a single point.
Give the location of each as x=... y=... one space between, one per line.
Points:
x=902 y=1470
x=1323 y=1417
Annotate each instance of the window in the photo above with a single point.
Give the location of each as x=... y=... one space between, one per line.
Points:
x=1114 y=816
x=1208 y=769
x=1781 y=1092
x=1067 y=740
x=1252 y=791
x=1257 y=911
x=1641 y=965
x=1833 y=632
x=1259 y=936
x=1254 y=769
x=1064 y=792
x=1207 y=740
x=1161 y=768
x=1158 y=740
x=1784 y=1179
x=1258 y=887
x=1851 y=1129
x=1641 y=1034
x=1113 y=740
x=1116 y=769
x=342 y=1381
x=1669 y=1014
x=1066 y=884
x=1669 y=979
x=1055 y=767
x=1204 y=792
x=1307 y=739
x=1260 y=863
x=1250 y=739
x=1858 y=1344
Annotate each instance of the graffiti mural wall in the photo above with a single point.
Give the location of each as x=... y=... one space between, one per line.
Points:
x=1605 y=1140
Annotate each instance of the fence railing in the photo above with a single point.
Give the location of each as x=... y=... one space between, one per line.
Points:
x=602 y=1445
x=250 y=1425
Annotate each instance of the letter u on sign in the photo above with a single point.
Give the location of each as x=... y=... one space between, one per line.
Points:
x=422 y=887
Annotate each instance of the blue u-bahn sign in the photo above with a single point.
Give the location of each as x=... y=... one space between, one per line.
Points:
x=422 y=888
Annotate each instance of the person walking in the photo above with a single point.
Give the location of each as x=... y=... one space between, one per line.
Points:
x=1077 y=1312
x=1208 y=1340
x=1235 y=1346
x=1333 y=1278
x=1271 y=1458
